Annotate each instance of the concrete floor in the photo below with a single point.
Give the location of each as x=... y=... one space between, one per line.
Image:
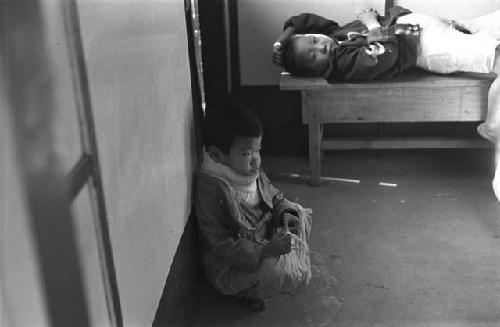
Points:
x=422 y=253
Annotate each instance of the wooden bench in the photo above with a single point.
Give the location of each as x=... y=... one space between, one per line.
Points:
x=414 y=97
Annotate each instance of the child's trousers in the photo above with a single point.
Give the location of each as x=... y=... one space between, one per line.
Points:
x=275 y=275
x=445 y=50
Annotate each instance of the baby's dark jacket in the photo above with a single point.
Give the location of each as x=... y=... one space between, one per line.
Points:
x=352 y=59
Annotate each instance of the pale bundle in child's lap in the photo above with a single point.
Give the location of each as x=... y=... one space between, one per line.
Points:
x=297 y=262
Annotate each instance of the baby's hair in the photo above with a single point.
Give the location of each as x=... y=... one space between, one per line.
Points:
x=290 y=62
x=223 y=124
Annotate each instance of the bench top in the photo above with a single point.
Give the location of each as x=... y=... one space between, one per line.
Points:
x=412 y=79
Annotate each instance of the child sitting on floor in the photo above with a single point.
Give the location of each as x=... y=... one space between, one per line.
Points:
x=376 y=47
x=255 y=242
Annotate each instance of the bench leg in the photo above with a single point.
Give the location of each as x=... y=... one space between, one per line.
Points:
x=496 y=189
x=496 y=230
x=315 y=136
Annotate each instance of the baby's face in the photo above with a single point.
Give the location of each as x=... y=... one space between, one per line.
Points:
x=244 y=155
x=314 y=51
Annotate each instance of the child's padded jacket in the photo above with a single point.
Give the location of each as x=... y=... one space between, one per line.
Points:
x=353 y=59
x=230 y=236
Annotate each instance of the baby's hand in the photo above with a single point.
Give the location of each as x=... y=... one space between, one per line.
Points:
x=278 y=53
x=368 y=17
x=291 y=223
x=280 y=244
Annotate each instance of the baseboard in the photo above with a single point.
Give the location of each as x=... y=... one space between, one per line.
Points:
x=179 y=301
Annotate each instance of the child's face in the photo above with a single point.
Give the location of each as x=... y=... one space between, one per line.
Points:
x=244 y=155
x=314 y=51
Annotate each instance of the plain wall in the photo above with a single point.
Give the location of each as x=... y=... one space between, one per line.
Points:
x=139 y=76
x=261 y=21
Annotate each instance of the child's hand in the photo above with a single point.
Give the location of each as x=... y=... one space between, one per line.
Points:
x=278 y=53
x=280 y=244
x=291 y=223
x=368 y=17
x=278 y=45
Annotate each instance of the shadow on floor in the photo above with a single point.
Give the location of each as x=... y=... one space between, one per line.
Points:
x=315 y=305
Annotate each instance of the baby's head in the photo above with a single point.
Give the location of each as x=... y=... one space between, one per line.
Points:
x=308 y=54
x=233 y=137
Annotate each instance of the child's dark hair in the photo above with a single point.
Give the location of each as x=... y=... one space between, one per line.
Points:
x=226 y=122
x=290 y=62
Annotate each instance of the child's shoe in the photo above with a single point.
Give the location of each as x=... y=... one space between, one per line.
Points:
x=258 y=305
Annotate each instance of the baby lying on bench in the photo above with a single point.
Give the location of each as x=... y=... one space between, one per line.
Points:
x=377 y=47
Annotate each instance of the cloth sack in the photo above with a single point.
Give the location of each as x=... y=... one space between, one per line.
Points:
x=297 y=262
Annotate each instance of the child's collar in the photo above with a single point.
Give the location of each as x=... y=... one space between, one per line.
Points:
x=225 y=172
x=328 y=70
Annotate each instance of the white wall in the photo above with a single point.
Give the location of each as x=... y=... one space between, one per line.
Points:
x=456 y=9
x=261 y=21
x=141 y=94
